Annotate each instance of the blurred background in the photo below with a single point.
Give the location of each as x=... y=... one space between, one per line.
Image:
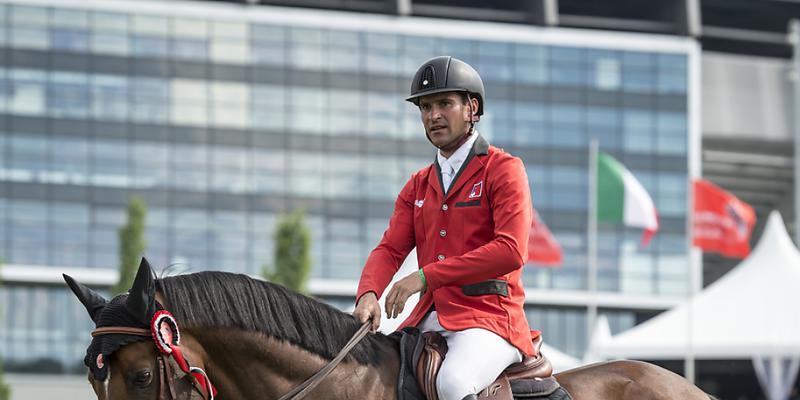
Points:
x=221 y=116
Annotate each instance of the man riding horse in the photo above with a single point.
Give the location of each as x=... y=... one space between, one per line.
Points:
x=468 y=214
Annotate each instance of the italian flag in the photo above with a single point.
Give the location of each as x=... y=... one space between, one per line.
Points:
x=622 y=199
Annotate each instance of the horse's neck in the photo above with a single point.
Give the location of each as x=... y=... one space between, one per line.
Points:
x=253 y=365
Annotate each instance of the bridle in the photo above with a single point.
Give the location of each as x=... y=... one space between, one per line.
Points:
x=166 y=390
x=164 y=332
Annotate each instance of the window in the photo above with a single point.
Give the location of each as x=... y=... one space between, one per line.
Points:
x=68 y=95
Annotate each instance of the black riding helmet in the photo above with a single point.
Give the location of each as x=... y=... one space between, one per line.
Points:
x=446 y=74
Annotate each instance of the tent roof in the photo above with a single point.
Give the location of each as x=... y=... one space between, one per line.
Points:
x=561 y=361
x=751 y=311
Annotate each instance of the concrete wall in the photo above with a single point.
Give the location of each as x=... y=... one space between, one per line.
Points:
x=48 y=387
x=746 y=97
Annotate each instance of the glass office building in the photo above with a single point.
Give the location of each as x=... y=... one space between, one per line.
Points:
x=222 y=117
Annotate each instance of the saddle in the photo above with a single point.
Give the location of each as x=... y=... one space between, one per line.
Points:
x=531 y=378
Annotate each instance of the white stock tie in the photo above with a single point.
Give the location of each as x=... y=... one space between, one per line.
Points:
x=447 y=175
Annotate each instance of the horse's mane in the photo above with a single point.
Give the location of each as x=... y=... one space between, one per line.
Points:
x=220 y=299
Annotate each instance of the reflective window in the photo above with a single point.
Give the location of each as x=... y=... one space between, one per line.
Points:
x=105 y=22
x=28 y=16
x=110 y=167
x=70 y=156
x=109 y=97
x=197 y=29
x=149 y=46
x=69 y=39
x=32 y=38
x=69 y=18
x=150 y=164
x=190 y=49
x=229 y=169
x=110 y=44
x=150 y=25
x=268 y=171
x=191 y=163
x=68 y=95
x=150 y=99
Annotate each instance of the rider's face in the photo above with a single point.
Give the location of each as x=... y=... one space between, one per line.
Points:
x=446 y=119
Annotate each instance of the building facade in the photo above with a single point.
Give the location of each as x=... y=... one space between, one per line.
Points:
x=222 y=117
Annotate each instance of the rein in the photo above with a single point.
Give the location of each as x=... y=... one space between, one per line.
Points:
x=306 y=387
x=206 y=389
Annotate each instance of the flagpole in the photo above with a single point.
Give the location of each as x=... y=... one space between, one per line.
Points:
x=688 y=361
x=591 y=243
x=694 y=168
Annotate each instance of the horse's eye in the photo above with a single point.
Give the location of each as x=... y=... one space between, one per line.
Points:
x=143 y=378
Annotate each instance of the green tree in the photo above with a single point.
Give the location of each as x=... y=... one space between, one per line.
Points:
x=292 y=252
x=5 y=391
x=131 y=244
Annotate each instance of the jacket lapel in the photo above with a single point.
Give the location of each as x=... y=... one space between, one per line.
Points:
x=435 y=179
x=472 y=165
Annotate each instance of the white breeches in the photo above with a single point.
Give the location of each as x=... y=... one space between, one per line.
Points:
x=475 y=358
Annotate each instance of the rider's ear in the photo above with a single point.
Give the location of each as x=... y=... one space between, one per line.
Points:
x=90 y=299
x=141 y=301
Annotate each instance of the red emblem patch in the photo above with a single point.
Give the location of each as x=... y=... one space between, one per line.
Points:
x=100 y=363
x=477 y=190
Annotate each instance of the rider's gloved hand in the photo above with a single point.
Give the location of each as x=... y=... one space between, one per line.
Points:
x=368 y=308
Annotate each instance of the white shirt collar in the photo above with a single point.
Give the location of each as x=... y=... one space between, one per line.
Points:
x=457 y=158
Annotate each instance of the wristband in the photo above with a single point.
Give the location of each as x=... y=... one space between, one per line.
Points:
x=422 y=276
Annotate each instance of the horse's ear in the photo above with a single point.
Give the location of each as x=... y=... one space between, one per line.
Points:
x=93 y=302
x=141 y=302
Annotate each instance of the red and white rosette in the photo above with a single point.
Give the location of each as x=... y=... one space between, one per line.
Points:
x=165 y=331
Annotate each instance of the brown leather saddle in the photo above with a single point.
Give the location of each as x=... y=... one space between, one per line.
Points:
x=533 y=376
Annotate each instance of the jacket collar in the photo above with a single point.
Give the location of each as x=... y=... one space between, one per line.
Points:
x=468 y=168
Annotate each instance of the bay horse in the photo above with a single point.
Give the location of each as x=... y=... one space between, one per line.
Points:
x=257 y=340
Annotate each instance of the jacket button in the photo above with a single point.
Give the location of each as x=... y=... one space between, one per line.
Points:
x=444 y=207
x=442 y=233
x=440 y=257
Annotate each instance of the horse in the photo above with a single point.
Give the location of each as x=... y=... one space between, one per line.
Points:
x=251 y=339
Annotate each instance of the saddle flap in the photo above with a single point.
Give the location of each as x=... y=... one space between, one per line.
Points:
x=500 y=389
x=428 y=357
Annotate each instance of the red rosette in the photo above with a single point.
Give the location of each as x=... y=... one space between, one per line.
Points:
x=165 y=331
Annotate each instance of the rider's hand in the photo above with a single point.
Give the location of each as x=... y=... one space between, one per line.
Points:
x=368 y=308
x=400 y=292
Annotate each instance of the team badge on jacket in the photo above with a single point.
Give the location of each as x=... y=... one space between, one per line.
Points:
x=477 y=190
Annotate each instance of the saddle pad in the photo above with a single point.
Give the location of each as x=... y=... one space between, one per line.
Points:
x=407 y=386
x=538 y=388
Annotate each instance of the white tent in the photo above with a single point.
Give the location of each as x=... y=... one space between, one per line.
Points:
x=751 y=312
x=561 y=361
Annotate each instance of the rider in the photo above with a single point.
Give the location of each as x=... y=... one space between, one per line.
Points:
x=468 y=214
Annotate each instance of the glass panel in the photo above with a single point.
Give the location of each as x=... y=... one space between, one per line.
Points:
x=69 y=18
x=110 y=22
x=150 y=25
x=28 y=16
x=190 y=28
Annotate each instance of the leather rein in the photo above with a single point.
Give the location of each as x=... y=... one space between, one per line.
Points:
x=206 y=389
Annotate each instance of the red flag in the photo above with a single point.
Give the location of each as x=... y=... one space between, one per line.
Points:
x=542 y=246
x=722 y=223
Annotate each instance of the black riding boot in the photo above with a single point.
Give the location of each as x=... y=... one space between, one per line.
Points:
x=471 y=397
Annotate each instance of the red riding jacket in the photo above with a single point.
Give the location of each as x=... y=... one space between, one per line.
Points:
x=471 y=244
